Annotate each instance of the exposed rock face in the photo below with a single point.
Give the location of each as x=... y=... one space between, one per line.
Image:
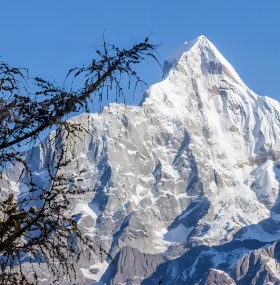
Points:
x=186 y=184
x=216 y=277
x=259 y=267
x=138 y=265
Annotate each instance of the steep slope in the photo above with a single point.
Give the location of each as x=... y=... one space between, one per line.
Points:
x=186 y=184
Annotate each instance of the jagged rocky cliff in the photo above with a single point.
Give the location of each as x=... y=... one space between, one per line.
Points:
x=186 y=184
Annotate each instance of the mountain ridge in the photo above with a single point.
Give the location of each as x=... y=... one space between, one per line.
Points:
x=186 y=184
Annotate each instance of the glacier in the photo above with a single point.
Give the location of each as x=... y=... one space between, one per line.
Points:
x=185 y=186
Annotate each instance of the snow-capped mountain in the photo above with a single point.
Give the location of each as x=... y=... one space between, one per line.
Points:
x=186 y=184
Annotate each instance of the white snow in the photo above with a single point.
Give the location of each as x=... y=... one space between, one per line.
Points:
x=178 y=234
x=95 y=271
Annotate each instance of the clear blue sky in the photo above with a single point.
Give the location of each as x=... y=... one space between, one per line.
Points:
x=50 y=37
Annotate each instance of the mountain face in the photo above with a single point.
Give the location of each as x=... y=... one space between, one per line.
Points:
x=186 y=184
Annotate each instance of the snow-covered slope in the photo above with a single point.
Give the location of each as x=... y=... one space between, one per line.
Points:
x=186 y=184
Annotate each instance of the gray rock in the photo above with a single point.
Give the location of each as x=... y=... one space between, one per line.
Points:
x=131 y=266
x=216 y=277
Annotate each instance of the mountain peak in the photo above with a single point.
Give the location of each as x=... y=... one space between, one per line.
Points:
x=202 y=39
x=204 y=55
x=173 y=58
